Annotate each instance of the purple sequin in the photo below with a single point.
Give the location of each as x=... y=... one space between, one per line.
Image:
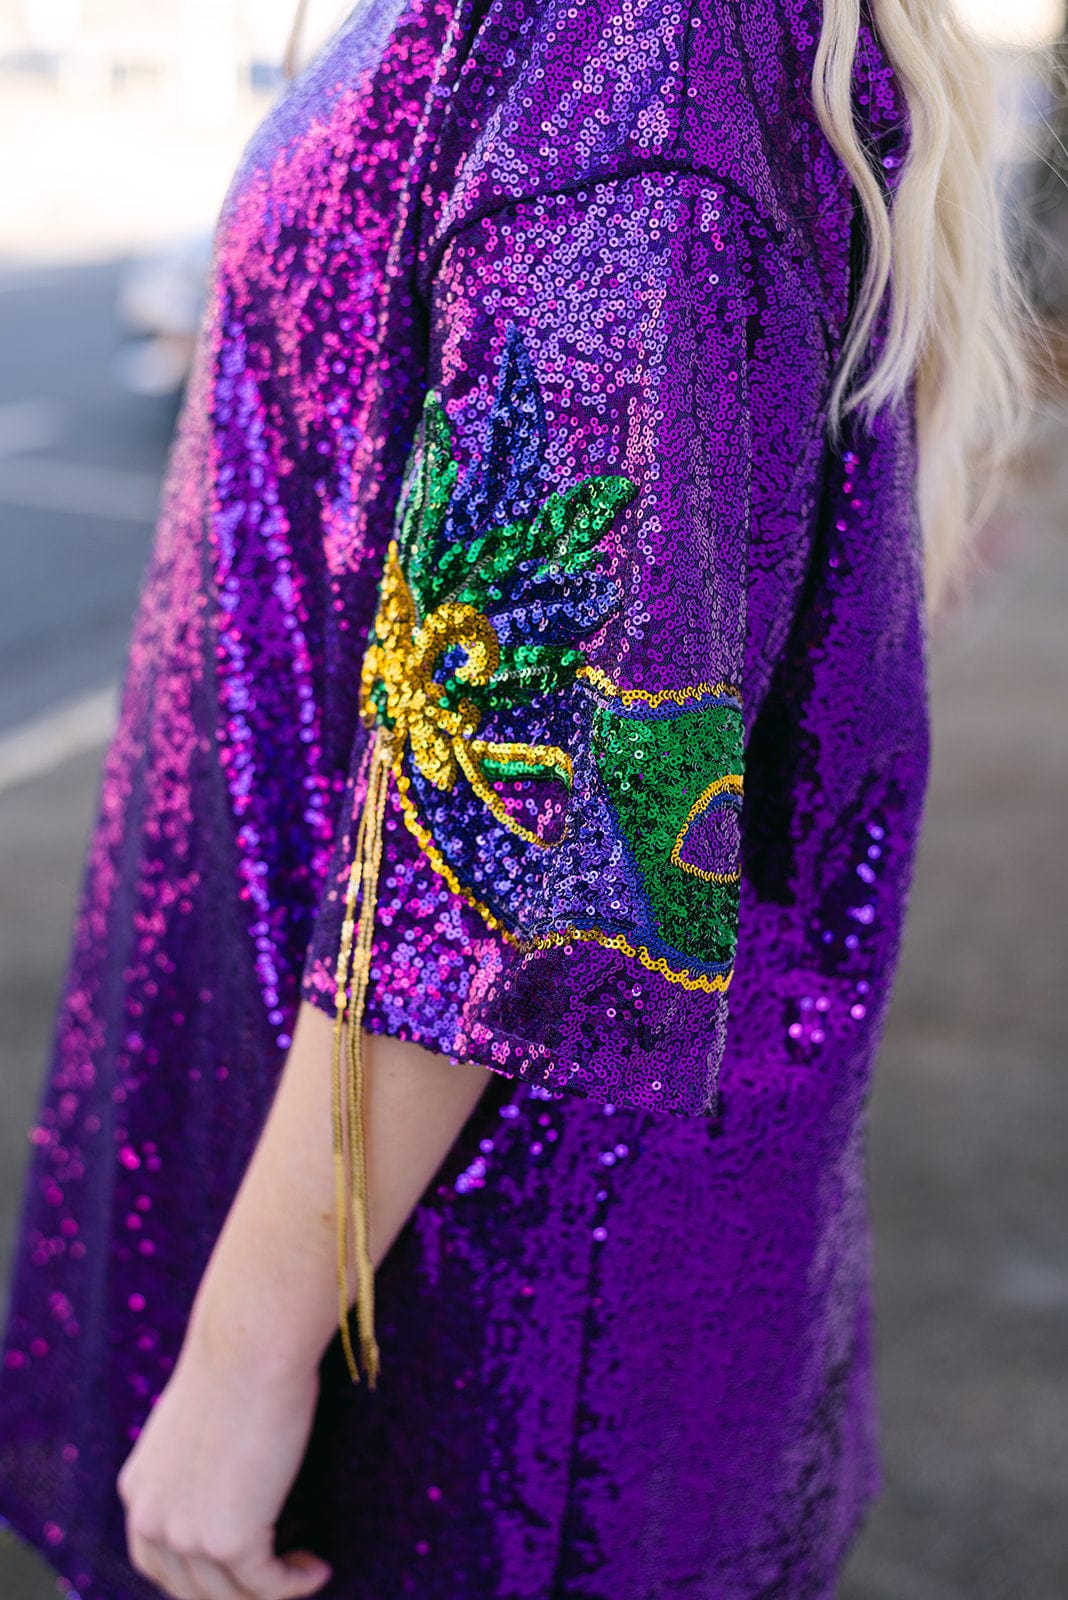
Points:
x=626 y=1333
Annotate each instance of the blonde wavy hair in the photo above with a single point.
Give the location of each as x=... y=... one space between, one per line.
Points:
x=959 y=318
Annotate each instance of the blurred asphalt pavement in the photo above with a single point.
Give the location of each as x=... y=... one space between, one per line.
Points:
x=970 y=1110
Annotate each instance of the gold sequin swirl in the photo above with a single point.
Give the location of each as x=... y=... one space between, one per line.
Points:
x=402 y=658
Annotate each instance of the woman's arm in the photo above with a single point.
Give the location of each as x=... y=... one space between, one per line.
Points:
x=199 y=1516
x=270 y=1289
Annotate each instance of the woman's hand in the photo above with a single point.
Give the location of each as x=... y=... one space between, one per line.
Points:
x=208 y=1476
x=205 y=1483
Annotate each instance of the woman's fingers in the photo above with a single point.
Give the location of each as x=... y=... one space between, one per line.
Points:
x=288 y=1577
x=185 y=1575
x=168 y=1571
x=216 y=1580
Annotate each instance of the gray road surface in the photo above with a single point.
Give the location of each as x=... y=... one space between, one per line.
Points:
x=79 y=468
x=970 y=1112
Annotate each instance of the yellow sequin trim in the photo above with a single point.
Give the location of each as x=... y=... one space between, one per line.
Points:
x=658 y=697
x=710 y=983
x=732 y=784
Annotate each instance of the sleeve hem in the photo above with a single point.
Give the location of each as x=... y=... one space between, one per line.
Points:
x=495 y=1049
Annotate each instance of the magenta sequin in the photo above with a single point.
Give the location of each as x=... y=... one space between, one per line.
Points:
x=626 y=1333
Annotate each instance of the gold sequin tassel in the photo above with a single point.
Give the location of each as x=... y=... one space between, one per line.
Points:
x=355 y=951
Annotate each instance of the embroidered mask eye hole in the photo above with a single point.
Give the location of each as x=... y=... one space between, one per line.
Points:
x=709 y=842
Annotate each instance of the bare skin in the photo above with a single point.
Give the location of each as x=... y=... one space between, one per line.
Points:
x=205 y=1482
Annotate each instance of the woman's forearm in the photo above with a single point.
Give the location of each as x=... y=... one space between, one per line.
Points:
x=269 y=1294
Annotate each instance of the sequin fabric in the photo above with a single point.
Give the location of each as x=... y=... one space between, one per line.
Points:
x=507 y=429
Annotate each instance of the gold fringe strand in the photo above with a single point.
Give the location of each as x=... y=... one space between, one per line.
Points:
x=355 y=952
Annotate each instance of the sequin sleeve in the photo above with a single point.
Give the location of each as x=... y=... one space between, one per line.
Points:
x=553 y=679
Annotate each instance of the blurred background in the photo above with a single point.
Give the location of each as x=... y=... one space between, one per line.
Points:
x=120 y=123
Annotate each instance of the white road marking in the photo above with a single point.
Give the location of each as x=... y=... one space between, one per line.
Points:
x=55 y=737
x=114 y=493
x=29 y=425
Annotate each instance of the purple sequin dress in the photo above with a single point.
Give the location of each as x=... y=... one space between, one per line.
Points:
x=526 y=312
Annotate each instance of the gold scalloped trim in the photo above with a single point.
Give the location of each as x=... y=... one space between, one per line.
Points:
x=715 y=983
x=653 y=698
x=731 y=784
